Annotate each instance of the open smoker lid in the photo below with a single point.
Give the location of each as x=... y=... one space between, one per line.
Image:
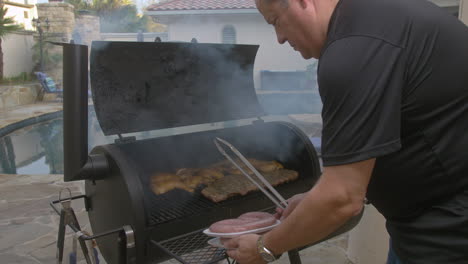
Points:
x=141 y=86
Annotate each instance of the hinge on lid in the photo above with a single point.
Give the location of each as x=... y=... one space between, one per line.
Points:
x=124 y=139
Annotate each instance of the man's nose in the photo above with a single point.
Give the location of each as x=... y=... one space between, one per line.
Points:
x=281 y=38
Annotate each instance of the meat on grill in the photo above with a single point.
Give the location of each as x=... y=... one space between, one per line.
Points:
x=190 y=178
x=263 y=166
x=163 y=182
x=234 y=184
x=195 y=177
x=185 y=179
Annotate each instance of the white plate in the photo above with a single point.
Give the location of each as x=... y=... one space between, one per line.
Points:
x=230 y=235
x=215 y=242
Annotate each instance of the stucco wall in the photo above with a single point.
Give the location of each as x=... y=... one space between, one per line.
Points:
x=17 y=11
x=250 y=29
x=147 y=36
x=17 y=53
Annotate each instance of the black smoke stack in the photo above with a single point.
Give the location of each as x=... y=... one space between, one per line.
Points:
x=78 y=165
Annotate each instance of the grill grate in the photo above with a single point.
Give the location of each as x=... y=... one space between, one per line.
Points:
x=176 y=204
x=192 y=248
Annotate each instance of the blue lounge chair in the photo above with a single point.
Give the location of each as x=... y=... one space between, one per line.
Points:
x=48 y=85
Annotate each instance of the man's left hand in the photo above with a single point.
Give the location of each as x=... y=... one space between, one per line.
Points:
x=243 y=249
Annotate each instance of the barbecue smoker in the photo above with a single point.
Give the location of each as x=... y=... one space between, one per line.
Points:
x=140 y=87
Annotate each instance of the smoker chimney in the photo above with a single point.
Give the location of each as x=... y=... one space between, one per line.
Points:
x=78 y=165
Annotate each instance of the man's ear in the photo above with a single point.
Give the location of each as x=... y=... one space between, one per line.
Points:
x=303 y=3
x=310 y=5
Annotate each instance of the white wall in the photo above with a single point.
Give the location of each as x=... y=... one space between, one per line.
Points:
x=17 y=12
x=17 y=53
x=147 y=36
x=463 y=14
x=250 y=29
x=17 y=47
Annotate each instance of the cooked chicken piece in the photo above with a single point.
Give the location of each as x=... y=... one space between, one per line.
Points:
x=232 y=185
x=266 y=166
x=164 y=182
x=194 y=181
x=194 y=177
x=186 y=173
x=190 y=178
x=162 y=176
x=211 y=173
x=260 y=165
x=237 y=171
x=166 y=186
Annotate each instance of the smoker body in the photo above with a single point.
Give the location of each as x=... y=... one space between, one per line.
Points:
x=139 y=87
x=124 y=197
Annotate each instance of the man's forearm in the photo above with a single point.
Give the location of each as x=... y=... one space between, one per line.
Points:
x=323 y=210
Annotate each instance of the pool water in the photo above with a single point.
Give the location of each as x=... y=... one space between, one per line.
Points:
x=38 y=149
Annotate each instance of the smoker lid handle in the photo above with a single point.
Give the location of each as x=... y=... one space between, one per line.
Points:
x=129 y=235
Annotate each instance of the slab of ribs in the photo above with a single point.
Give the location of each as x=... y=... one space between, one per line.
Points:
x=221 y=180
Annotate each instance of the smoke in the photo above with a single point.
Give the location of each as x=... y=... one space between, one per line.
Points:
x=179 y=88
x=173 y=89
x=283 y=81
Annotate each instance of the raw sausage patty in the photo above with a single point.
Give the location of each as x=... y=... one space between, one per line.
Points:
x=245 y=222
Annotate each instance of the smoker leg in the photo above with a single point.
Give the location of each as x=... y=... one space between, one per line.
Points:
x=122 y=244
x=294 y=257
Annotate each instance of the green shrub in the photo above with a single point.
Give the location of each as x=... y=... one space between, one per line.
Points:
x=23 y=77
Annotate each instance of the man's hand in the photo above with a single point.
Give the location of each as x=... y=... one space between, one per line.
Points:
x=292 y=203
x=243 y=249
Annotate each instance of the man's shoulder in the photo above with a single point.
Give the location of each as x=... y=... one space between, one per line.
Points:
x=389 y=20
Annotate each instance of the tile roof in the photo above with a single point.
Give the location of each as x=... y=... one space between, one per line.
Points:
x=172 y=5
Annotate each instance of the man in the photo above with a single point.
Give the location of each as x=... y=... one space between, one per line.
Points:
x=393 y=77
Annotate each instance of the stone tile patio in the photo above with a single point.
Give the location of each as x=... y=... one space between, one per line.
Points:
x=28 y=225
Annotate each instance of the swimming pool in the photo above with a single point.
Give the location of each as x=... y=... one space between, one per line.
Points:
x=38 y=148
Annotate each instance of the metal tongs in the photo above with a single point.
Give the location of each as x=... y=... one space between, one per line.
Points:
x=274 y=196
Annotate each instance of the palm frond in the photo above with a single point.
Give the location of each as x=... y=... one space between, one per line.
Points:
x=7 y=25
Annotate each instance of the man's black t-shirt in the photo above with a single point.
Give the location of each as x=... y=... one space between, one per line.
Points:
x=393 y=77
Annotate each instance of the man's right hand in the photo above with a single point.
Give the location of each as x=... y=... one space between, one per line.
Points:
x=292 y=203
